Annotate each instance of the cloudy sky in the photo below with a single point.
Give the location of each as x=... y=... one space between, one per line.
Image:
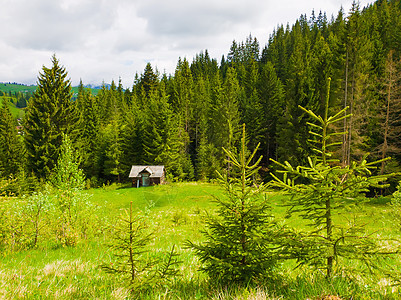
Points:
x=101 y=40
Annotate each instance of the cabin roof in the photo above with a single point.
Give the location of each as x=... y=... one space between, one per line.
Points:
x=154 y=171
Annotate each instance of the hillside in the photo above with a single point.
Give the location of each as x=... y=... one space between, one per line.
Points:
x=17 y=87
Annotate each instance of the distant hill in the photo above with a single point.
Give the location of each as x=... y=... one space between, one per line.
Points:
x=18 y=87
x=94 y=90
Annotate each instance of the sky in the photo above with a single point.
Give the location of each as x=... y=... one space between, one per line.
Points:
x=104 y=40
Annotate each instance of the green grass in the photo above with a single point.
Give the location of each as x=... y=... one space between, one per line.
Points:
x=174 y=212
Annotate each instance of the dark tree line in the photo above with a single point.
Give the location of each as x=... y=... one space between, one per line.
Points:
x=184 y=119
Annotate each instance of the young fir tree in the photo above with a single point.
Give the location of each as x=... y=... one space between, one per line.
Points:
x=132 y=261
x=67 y=176
x=239 y=240
x=319 y=192
x=68 y=180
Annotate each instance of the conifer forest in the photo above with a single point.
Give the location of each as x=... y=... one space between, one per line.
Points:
x=312 y=115
x=183 y=120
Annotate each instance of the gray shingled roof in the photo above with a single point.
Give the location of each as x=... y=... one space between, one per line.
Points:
x=154 y=171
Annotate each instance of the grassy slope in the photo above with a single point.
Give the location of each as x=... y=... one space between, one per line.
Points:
x=16 y=112
x=174 y=212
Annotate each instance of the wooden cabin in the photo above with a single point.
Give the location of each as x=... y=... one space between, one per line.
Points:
x=147 y=175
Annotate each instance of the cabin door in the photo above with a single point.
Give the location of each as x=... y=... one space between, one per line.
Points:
x=145 y=179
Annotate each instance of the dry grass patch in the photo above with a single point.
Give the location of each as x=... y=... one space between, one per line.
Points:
x=120 y=293
x=60 y=268
x=247 y=294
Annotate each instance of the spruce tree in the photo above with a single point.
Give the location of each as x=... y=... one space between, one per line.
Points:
x=89 y=130
x=149 y=80
x=319 y=191
x=271 y=95
x=162 y=143
x=206 y=163
x=113 y=139
x=240 y=240
x=390 y=111
x=358 y=65
x=292 y=132
x=131 y=139
x=250 y=104
x=228 y=114
x=50 y=113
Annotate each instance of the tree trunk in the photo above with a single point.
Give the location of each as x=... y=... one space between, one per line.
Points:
x=345 y=136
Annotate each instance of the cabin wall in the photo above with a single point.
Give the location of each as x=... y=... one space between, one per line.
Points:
x=153 y=181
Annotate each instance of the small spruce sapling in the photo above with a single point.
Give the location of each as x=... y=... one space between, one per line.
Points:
x=319 y=192
x=240 y=240
x=133 y=262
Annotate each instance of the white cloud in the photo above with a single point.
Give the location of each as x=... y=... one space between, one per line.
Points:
x=100 y=40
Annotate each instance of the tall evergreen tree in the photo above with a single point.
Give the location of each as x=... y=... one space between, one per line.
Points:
x=250 y=104
x=292 y=132
x=112 y=136
x=271 y=94
x=89 y=128
x=161 y=141
x=357 y=79
x=132 y=146
x=50 y=113
x=183 y=100
x=148 y=81
x=204 y=168
x=224 y=115
x=390 y=129
x=113 y=151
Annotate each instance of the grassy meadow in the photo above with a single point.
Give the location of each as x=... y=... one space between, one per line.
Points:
x=175 y=213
